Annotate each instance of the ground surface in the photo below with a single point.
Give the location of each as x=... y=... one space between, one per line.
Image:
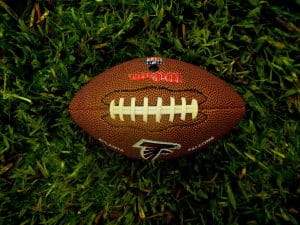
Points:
x=51 y=172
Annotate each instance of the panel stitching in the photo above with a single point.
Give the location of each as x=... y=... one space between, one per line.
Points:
x=155 y=88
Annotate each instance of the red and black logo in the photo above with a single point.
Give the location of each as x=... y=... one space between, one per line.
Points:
x=154 y=61
x=151 y=150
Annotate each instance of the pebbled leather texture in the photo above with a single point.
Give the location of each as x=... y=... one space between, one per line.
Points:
x=220 y=108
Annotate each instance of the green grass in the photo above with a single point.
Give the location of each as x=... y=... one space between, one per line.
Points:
x=51 y=172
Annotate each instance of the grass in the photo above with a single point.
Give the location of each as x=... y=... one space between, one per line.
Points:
x=51 y=172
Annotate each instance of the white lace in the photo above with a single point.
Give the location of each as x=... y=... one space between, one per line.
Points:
x=157 y=110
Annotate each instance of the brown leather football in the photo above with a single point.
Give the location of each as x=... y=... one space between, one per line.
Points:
x=156 y=108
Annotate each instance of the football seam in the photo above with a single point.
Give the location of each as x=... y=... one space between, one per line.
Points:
x=105 y=109
x=171 y=126
x=167 y=127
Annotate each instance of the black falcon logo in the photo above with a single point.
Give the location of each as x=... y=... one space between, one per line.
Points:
x=151 y=150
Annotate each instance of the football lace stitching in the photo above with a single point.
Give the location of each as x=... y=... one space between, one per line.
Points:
x=157 y=110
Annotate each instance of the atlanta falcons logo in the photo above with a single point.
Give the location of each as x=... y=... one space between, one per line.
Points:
x=151 y=150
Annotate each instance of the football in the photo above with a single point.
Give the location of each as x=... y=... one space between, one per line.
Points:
x=156 y=108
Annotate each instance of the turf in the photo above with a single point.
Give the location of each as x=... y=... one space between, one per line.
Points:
x=51 y=172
